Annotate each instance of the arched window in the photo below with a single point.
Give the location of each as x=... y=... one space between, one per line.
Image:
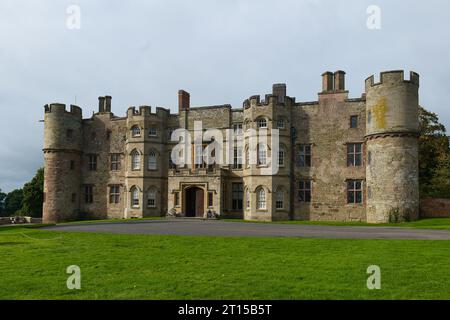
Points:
x=279 y=199
x=247 y=198
x=262 y=123
x=151 y=198
x=281 y=156
x=135 y=197
x=261 y=198
x=135 y=131
x=152 y=161
x=262 y=155
x=135 y=160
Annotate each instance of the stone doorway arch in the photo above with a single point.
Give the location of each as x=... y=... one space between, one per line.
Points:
x=194 y=202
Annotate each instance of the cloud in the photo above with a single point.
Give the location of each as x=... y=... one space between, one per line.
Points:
x=142 y=52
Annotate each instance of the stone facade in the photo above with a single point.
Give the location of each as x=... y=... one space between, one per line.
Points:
x=339 y=158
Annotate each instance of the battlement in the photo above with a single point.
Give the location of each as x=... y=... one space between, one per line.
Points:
x=268 y=99
x=147 y=111
x=61 y=109
x=391 y=78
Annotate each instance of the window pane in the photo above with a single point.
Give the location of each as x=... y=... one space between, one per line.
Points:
x=307 y=196
x=358 y=197
x=351 y=197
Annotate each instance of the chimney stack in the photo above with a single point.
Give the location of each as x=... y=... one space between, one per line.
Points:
x=183 y=100
x=279 y=90
x=101 y=104
x=327 y=82
x=339 y=80
x=108 y=103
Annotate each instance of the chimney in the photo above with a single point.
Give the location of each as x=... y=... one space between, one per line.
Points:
x=108 y=103
x=339 y=81
x=183 y=100
x=279 y=90
x=327 y=81
x=101 y=104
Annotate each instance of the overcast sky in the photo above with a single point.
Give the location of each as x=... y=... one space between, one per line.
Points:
x=143 y=51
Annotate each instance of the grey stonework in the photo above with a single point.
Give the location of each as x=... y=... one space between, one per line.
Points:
x=387 y=127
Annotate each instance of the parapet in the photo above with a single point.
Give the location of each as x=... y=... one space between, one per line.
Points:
x=61 y=108
x=146 y=111
x=256 y=100
x=392 y=77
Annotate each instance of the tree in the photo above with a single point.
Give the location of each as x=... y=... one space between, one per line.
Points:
x=434 y=156
x=13 y=202
x=2 y=202
x=33 y=195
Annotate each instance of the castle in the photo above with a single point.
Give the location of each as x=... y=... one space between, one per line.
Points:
x=339 y=158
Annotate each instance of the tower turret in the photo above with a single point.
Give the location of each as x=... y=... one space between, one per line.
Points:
x=62 y=156
x=392 y=147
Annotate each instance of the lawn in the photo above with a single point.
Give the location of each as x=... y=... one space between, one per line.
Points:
x=33 y=264
x=435 y=223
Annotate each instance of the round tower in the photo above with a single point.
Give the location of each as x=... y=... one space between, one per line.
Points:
x=392 y=126
x=62 y=157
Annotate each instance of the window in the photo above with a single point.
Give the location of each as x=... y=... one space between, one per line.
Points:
x=369 y=117
x=281 y=157
x=237 y=196
x=280 y=124
x=237 y=160
x=279 y=199
x=152 y=161
x=354 y=154
x=74 y=197
x=210 y=199
x=152 y=132
x=171 y=164
x=88 y=194
x=92 y=162
x=304 y=191
x=354 y=191
x=72 y=165
x=114 y=194
x=135 y=197
x=369 y=157
x=135 y=160
x=304 y=155
x=176 y=199
x=199 y=157
x=369 y=192
x=115 y=162
x=353 y=122
x=151 y=199
x=247 y=158
x=261 y=198
x=247 y=199
x=262 y=123
x=237 y=127
x=262 y=155
x=169 y=133
x=135 y=131
x=69 y=134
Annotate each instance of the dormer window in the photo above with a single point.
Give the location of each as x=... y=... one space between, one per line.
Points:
x=135 y=131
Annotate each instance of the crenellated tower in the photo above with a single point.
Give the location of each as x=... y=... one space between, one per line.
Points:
x=63 y=138
x=392 y=125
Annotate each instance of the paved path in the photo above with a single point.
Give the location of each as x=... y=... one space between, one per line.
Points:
x=241 y=229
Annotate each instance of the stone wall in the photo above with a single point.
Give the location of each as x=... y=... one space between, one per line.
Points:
x=434 y=208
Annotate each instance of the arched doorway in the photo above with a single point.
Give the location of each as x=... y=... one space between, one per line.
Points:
x=195 y=202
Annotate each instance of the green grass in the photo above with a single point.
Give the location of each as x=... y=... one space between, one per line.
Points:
x=33 y=264
x=435 y=223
